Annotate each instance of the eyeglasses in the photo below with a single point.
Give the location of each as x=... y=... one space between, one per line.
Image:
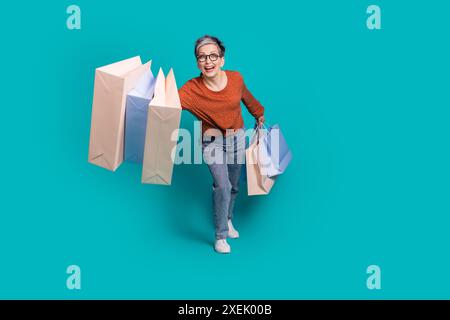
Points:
x=212 y=57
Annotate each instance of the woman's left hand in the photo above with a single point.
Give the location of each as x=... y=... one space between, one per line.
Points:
x=261 y=120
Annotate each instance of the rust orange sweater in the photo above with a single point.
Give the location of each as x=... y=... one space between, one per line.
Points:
x=219 y=109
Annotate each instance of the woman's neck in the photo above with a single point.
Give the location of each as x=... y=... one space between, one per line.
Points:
x=216 y=83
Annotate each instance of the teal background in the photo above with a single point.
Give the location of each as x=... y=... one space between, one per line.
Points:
x=365 y=112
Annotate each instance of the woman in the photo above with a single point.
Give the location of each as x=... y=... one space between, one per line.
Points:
x=214 y=98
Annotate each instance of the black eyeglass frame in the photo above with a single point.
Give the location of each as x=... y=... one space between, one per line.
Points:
x=206 y=56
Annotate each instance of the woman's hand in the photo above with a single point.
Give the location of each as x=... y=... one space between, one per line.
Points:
x=261 y=120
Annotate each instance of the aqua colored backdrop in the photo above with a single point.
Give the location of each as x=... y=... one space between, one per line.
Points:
x=366 y=113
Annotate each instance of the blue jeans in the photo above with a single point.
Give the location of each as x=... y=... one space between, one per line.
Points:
x=225 y=158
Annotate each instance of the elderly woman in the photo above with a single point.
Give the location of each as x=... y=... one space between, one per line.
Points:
x=214 y=98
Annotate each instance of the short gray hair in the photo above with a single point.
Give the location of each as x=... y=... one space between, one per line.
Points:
x=207 y=39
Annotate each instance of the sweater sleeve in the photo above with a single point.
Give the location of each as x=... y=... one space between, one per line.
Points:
x=185 y=97
x=253 y=105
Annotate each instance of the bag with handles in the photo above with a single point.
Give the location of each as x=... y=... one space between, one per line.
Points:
x=136 y=117
x=163 y=122
x=257 y=183
x=112 y=83
x=274 y=153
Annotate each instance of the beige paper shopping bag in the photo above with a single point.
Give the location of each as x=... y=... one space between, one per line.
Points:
x=163 y=122
x=112 y=83
x=257 y=184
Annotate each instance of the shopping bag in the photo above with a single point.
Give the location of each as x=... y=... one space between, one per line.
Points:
x=274 y=153
x=257 y=183
x=163 y=122
x=136 y=117
x=112 y=83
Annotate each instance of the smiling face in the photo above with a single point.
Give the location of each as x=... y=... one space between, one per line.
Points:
x=209 y=68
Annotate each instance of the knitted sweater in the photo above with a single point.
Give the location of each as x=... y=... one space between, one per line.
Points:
x=219 y=109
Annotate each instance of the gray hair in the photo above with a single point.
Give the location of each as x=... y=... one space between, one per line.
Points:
x=206 y=39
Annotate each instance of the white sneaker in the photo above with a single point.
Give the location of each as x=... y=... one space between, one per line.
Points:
x=221 y=246
x=232 y=232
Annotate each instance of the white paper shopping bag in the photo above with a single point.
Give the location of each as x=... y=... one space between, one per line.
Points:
x=257 y=183
x=112 y=83
x=163 y=122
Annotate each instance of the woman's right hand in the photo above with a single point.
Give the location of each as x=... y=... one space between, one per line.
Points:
x=261 y=121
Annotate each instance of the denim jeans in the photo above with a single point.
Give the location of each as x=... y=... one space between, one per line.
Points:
x=225 y=158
